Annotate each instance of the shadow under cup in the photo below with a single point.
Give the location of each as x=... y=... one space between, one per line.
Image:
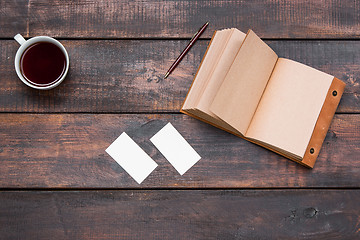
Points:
x=43 y=64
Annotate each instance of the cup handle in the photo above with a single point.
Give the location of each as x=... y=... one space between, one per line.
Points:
x=19 y=39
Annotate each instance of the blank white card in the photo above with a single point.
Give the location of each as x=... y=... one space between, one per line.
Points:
x=131 y=157
x=175 y=148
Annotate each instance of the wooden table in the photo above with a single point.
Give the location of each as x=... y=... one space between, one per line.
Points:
x=57 y=182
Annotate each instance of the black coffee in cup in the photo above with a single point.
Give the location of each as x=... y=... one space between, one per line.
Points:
x=43 y=63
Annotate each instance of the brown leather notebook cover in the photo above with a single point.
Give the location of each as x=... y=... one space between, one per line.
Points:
x=323 y=123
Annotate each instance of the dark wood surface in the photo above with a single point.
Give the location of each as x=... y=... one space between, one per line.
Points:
x=126 y=75
x=67 y=151
x=177 y=19
x=57 y=182
x=179 y=214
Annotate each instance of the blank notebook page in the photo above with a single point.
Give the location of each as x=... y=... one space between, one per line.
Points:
x=290 y=106
x=239 y=94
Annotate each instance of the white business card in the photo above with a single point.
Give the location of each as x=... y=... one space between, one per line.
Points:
x=131 y=157
x=175 y=148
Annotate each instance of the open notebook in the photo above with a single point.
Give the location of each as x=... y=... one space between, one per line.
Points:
x=243 y=87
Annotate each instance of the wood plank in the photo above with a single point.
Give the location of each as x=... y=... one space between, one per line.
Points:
x=68 y=151
x=144 y=19
x=150 y=18
x=235 y=214
x=14 y=18
x=126 y=76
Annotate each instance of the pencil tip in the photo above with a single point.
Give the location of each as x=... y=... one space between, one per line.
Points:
x=166 y=75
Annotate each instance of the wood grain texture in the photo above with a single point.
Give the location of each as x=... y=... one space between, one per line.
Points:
x=14 y=18
x=126 y=75
x=217 y=214
x=51 y=149
x=149 y=19
x=68 y=151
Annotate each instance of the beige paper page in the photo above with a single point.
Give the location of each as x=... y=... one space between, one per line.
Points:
x=215 y=49
x=219 y=72
x=237 y=99
x=290 y=106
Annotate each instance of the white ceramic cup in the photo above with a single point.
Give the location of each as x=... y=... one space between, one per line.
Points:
x=24 y=44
